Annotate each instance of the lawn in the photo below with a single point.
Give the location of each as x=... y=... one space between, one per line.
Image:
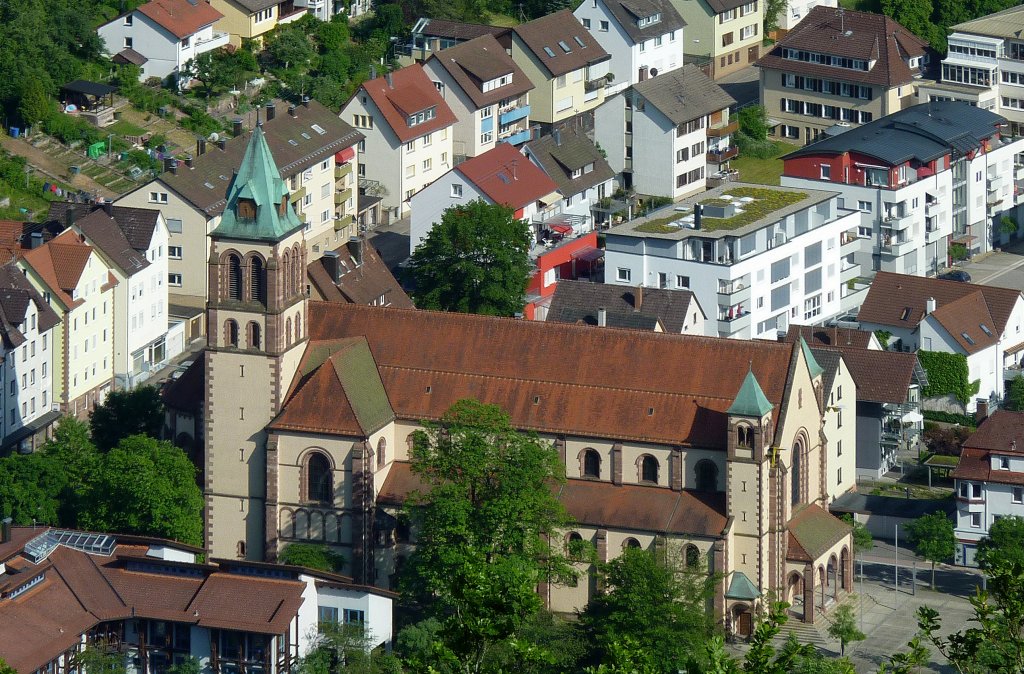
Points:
x=502 y=20
x=763 y=171
x=764 y=202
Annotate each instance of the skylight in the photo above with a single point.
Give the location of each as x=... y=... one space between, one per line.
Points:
x=292 y=141
x=984 y=328
x=306 y=135
x=208 y=186
x=906 y=314
x=547 y=50
x=565 y=47
x=579 y=41
x=319 y=129
x=967 y=338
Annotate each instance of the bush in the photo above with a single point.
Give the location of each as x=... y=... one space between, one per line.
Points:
x=949 y=418
x=752 y=147
x=946 y=440
x=68 y=129
x=947 y=374
x=201 y=122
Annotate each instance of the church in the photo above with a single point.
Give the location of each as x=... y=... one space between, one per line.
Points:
x=711 y=448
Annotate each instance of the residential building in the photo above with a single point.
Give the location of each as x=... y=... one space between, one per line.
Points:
x=568 y=67
x=984 y=66
x=982 y=323
x=839 y=67
x=838 y=389
x=429 y=36
x=252 y=19
x=133 y=245
x=28 y=328
x=645 y=39
x=795 y=11
x=161 y=36
x=758 y=258
x=563 y=254
x=152 y=603
x=355 y=273
x=78 y=285
x=664 y=134
x=409 y=134
x=614 y=306
x=988 y=480
x=923 y=179
x=488 y=93
x=579 y=170
x=722 y=36
x=318 y=155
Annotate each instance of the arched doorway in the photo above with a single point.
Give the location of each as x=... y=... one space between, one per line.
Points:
x=844 y=563
x=706 y=473
x=795 y=593
x=833 y=576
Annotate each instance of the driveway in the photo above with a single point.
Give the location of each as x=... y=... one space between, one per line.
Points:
x=1004 y=269
x=392 y=243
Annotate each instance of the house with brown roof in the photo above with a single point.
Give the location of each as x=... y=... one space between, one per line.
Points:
x=578 y=168
x=429 y=36
x=722 y=36
x=614 y=306
x=568 y=67
x=161 y=36
x=409 y=134
x=988 y=480
x=78 y=284
x=839 y=67
x=152 y=603
x=355 y=273
x=487 y=91
x=981 y=323
x=252 y=19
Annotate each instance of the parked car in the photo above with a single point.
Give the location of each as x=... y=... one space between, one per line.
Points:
x=956 y=275
x=844 y=321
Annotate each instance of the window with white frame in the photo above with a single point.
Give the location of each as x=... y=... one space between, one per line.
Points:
x=976 y=520
x=623 y=274
x=174 y=252
x=456 y=191
x=158 y=197
x=1018 y=494
x=174 y=280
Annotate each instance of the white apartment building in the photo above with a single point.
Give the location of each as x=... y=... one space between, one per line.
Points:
x=644 y=38
x=408 y=129
x=796 y=10
x=78 y=285
x=29 y=328
x=488 y=93
x=658 y=133
x=755 y=267
x=161 y=36
x=839 y=392
x=923 y=178
x=581 y=173
x=988 y=480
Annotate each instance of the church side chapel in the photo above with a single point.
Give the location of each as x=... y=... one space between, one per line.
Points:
x=712 y=447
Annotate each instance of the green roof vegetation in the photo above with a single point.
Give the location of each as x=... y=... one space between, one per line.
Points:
x=942 y=460
x=765 y=202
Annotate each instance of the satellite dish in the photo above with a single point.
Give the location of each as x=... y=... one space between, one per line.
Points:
x=654 y=72
x=214 y=137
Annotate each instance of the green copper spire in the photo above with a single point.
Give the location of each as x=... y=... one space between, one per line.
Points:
x=812 y=364
x=750 y=401
x=258 y=207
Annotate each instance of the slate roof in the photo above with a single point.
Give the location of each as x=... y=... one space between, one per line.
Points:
x=817 y=336
x=359 y=285
x=456 y=30
x=719 y=6
x=558 y=378
x=852 y=34
x=923 y=132
x=505 y=176
x=181 y=18
x=294 y=142
x=578 y=302
x=60 y=264
x=814 y=531
x=561 y=153
x=548 y=31
x=628 y=12
x=409 y=92
x=480 y=60
x=684 y=94
x=16 y=293
x=901 y=300
x=103 y=231
x=1007 y=24
x=256 y=5
x=828 y=360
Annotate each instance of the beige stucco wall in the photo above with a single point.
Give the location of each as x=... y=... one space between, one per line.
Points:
x=842 y=467
x=545 y=99
x=239 y=23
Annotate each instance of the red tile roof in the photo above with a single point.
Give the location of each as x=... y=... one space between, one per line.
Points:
x=60 y=264
x=410 y=91
x=180 y=17
x=976 y=464
x=507 y=177
x=1002 y=433
x=815 y=336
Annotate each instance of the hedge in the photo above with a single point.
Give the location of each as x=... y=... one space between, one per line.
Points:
x=947 y=373
x=949 y=418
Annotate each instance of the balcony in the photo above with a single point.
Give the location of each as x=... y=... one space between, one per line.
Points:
x=287 y=13
x=897 y=222
x=993 y=198
x=996 y=182
x=933 y=208
x=894 y=248
x=719 y=156
x=730 y=326
x=342 y=170
x=343 y=222
x=849 y=242
x=596 y=84
x=517 y=138
x=513 y=114
x=297 y=195
x=342 y=196
x=720 y=129
x=849 y=273
x=218 y=39
x=736 y=292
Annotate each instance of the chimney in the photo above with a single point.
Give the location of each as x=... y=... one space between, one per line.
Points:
x=643 y=73
x=929 y=306
x=602 y=317
x=355 y=249
x=271 y=111
x=332 y=264
x=69 y=217
x=387 y=78
x=108 y=208
x=638 y=298
x=236 y=127
x=981 y=413
x=291 y=110
x=35 y=240
x=305 y=101
x=188 y=161
x=698 y=211
x=222 y=143
x=5 y=529
x=171 y=164
x=200 y=147
x=557 y=134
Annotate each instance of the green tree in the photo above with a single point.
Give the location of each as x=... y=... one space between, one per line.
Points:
x=127 y=413
x=1015 y=395
x=99 y=659
x=1008 y=225
x=5 y=668
x=188 y=665
x=916 y=16
x=1004 y=545
x=772 y=12
x=346 y=647
x=753 y=121
x=863 y=541
x=650 y=602
x=36 y=104
x=958 y=252
x=482 y=528
x=933 y=538
x=30 y=489
x=627 y=656
x=146 y=487
x=312 y=556
x=476 y=260
x=209 y=71
x=844 y=627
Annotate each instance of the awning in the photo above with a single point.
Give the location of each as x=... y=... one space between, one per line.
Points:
x=28 y=430
x=561 y=229
x=964 y=239
x=588 y=254
x=912 y=418
x=549 y=199
x=345 y=155
x=1014 y=349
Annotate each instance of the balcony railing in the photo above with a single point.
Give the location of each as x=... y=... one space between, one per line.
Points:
x=343 y=222
x=734 y=292
x=342 y=170
x=595 y=84
x=218 y=39
x=729 y=326
x=896 y=248
x=517 y=138
x=719 y=156
x=897 y=222
x=719 y=130
x=513 y=115
x=341 y=196
x=297 y=195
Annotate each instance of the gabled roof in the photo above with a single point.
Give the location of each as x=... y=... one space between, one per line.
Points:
x=684 y=94
x=548 y=34
x=16 y=294
x=900 y=300
x=363 y=284
x=829 y=360
x=505 y=176
x=848 y=33
x=103 y=231
x=254 y=6
x=750 y=401
x=1007 y=24
x=812 y=364
x=741 y=588
x=633 y=385
x=181 y=18
x=405 y=92
x=566 y=150
x=628 y=12
x=480 y=60
x=1002 y=433
x=578 y=302
x=60 y=264
x=815 y=531
x=455 y=30
x=835 y=336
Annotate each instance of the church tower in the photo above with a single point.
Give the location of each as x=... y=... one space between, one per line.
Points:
x=256 y=334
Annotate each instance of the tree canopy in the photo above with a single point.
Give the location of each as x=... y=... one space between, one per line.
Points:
x=127 y=413
x=933 y=538
x=1004 y=545
x=476 y=260
x=312 y=556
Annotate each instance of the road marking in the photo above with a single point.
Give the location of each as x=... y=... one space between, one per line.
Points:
x=1000 y=273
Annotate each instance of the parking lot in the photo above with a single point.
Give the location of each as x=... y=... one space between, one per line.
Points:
x=1005 y=268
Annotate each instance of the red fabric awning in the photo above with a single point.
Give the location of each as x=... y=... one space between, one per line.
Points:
x=561 y=229
x=345 y=155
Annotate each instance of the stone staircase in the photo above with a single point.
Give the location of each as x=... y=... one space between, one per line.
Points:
x=814 y=635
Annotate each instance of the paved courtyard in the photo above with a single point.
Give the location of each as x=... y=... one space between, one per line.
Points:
x=1005 y=268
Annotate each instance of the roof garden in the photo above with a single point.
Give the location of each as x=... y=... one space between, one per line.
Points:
x=732 y=209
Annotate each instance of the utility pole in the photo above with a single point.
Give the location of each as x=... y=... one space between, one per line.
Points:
x=896 y=566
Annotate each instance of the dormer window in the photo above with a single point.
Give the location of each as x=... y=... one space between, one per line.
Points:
x=491 y=85
x=246 y=209
x=577 y=173
x=422 y=116
x=650 y=20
